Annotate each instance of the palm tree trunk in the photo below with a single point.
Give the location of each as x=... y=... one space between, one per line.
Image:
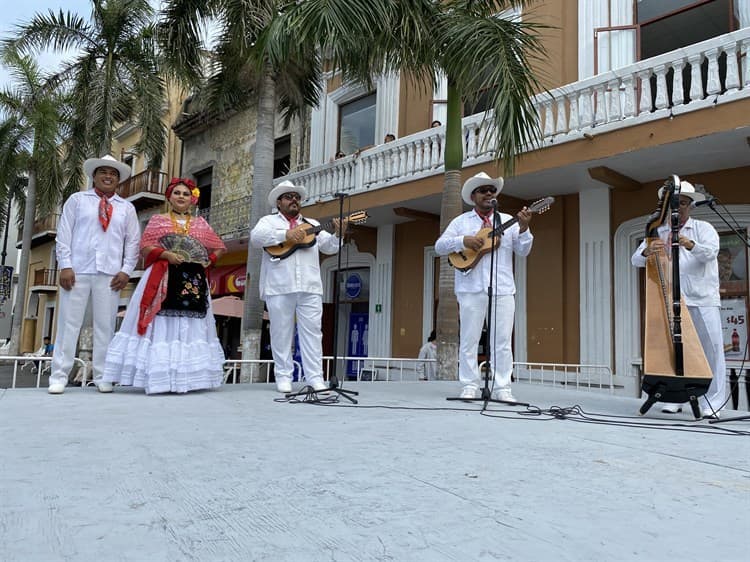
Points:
x=252 y=315
x=450 y=207
x=23 y=268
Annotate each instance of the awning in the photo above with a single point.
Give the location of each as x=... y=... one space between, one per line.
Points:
x=228 y=279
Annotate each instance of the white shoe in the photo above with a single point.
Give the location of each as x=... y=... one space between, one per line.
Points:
x=503 y=394
x=321 y=387
x=670 y=408
x=285 y=387
x=709 y=414
x=468 y=392
x=56 y=388
x=104 y=387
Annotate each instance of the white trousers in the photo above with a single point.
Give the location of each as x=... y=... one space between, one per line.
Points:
x=104 y=302
x=308 y=308
x=472 y=313
x=707 y=320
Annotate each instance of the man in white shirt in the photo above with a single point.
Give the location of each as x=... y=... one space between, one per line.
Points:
x=471 y=287
x=97 y=250
x=699 y=284
x=292 y=285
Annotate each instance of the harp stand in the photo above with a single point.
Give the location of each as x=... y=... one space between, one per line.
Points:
x=333 y=381
x=486 y=396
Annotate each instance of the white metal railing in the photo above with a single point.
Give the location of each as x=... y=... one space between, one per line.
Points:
x=626 y=93
x=27 y=365
x=566 y=375
x=616 y=99
x=365 y=369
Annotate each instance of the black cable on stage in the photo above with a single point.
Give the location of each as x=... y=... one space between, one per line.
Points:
x=534 y=413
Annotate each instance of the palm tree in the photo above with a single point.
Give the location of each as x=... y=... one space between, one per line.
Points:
x=113 y=77
x=467 y=41
x=31 y=148
x=240 y=68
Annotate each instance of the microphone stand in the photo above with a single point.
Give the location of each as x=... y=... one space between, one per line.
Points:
x=333 y=381
x=491 y=328
x=710 y=204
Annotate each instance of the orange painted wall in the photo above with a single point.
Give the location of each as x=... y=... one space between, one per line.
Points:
x=410 y=239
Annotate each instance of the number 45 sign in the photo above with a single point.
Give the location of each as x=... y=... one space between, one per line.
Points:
x=734 y=327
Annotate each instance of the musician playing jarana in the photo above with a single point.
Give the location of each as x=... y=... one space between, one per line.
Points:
x=471 y=288
x=292 y=287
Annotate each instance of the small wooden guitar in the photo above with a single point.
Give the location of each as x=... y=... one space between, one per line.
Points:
x=466 y=259
x=287 y=247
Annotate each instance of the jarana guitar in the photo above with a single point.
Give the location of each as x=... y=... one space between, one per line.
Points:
x=466 y=259
x=287 y=247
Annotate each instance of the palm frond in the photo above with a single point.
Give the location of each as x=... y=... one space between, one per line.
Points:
x=59 y=31
x=498 y=64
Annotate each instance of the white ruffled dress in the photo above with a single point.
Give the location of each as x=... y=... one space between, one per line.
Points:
x=176 y=354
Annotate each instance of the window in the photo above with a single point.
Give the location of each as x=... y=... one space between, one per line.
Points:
x=282 y=156
x=666 y=25
x=357 y=124
x=203 y=180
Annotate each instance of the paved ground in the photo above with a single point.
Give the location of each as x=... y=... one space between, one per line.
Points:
x=405 y=475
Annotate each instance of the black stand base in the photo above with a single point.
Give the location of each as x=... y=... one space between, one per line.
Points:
x=333 y=386
x=674 y=389
x=487 y=398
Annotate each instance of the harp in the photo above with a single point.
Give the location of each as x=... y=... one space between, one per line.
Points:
x=675 y=368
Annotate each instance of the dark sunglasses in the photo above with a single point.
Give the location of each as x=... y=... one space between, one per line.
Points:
x=486 y=189
x=291 y=197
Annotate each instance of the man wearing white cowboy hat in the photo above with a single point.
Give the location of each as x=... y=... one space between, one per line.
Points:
x=97 y=250
x=699 y=284
x=480 y=191
x=292 y=286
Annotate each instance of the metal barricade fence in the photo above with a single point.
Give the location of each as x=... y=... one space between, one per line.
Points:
x=23 y=365
x=566 y=375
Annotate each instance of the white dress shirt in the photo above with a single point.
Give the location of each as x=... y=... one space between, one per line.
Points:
x=477 y=279
x=85 y=246
x=297 y=273
x=699 y=269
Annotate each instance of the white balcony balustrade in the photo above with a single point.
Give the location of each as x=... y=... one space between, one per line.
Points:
x=688 y=79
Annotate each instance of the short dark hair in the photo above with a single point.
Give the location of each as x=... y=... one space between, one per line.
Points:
x=45 y=338
x=432 y=336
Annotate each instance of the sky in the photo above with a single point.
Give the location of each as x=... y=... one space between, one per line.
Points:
x=15 y=12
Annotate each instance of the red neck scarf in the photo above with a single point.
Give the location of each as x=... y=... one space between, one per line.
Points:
x=105 y=208
x=293 y=222
x=486 y=219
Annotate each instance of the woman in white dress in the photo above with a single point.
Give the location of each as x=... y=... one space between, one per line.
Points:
x=167 y=341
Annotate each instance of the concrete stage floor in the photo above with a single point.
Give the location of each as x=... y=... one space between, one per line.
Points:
x=405 y=475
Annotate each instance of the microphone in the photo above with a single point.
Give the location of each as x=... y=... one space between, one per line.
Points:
x=706 y=201
x=493 y=202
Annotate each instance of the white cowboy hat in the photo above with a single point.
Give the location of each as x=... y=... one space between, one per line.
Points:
x=90 y=166
x=688 y=190
x=478 y=181
x=286 y=187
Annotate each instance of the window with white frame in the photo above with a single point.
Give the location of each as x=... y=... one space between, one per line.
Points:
x=357 y=124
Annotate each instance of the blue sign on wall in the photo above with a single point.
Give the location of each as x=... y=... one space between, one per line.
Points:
x=353 y=285
x=357 y=341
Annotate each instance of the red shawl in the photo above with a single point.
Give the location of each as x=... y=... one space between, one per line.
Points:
x=156 y=286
